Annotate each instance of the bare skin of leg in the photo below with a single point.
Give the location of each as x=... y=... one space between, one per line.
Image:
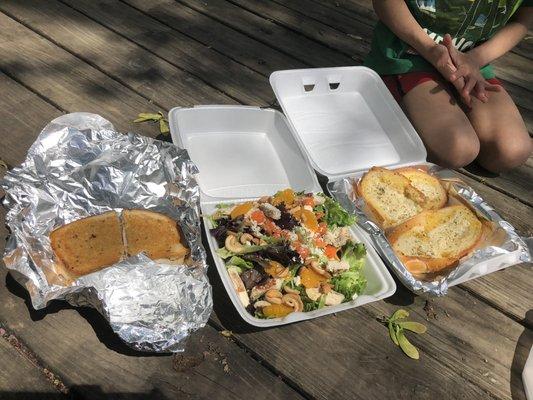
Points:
x=446 y=131
x=505 y=142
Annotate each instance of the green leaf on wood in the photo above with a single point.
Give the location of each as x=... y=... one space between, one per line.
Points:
x=399 y=314
x=410 y=350
x=163 y=126
x=143 y=117
x=413 y=326
x=154 y=118
x=392 y=333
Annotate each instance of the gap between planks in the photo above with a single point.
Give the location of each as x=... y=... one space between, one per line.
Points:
x=25 y=352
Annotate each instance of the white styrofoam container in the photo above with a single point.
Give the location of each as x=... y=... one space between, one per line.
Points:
x=244 y=153
x=346 y=121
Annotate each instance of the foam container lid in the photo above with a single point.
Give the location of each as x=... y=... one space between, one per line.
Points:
x=245 y=153
x=346 y=120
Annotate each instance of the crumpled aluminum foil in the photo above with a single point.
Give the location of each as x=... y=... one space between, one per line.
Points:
x=511 y=250
x=79 y=166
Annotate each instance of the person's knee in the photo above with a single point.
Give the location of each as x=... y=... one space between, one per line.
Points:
x=505 y=153
x=460 y=148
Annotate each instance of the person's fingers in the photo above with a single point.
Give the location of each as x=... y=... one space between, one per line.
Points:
x=469 y=85
x=479 y=92
x=461 y=72
x=447 y=41
x=467 y=89
x=493 y=88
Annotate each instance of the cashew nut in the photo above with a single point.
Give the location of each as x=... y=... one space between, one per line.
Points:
x=246 y=238
x=290 y=290
x=233 y=245
x=294 y=301
x=273 y=296
x=316 y=267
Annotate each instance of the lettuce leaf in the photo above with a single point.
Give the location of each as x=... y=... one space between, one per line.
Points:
x=334 y=214
x=354 y=254
x=225 y=253
x=239 y=262
x=351 y=282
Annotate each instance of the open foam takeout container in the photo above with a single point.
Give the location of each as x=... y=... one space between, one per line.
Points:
x=346 y=121
x=244 y=153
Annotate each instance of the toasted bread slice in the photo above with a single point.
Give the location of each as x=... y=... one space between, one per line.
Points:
x=390 y=197
x=436 y=239
x=88 y=244
x=154 y=234
x=436 y=196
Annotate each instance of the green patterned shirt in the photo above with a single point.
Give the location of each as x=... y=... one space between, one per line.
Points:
x=469 y=22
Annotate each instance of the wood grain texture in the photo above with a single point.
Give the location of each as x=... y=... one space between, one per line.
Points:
x=355 y=46
x=517 y=183
x=268 y=32
x=193 y=65
x=117 y=57
x=495 y=289
x=23 y=115
x=19 y=379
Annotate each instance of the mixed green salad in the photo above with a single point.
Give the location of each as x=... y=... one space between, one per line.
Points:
x=290 y=252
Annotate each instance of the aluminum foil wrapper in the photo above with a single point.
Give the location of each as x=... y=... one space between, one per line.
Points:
x=79 y=166
x=510 y=249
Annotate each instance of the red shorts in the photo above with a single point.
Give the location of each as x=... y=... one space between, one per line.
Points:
x=399 y=85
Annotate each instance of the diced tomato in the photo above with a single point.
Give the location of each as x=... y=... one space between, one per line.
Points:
x=331 y=251
x=319 y=242
x=322 y=228
x=308 y=201
x=258 y=216
x=270 y=227
x=303 y=252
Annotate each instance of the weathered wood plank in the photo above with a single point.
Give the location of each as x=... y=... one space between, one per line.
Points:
x=20 y=379
x=213 y=366
x=215 y=69
x=517 y=183
x=355 y=46
x=494 y=289
x=265 y=31
x=23 y=115
x=131 y=65
x=215 y=34
x=66 y=80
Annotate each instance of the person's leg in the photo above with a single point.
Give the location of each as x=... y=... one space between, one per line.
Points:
x=444 y=128
x=505 y=142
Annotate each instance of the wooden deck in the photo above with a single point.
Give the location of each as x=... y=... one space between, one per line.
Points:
x=119 y=58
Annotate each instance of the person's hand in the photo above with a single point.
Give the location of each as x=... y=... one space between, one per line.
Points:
x=439 y=56
x=467 y=73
